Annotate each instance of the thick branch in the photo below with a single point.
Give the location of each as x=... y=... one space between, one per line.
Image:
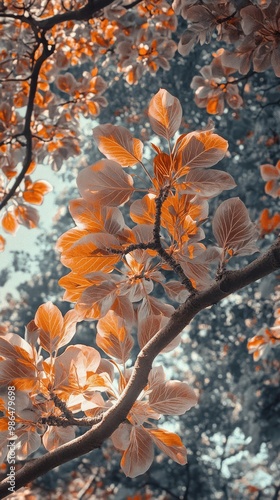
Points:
x=83 y=14
x=66 y=422
x=231 y=282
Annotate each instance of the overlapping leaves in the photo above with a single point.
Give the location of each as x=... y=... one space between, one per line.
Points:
x=115 y=266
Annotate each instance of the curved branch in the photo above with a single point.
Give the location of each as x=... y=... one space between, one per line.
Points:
x=27 y=125
x=83 y=14
x=41 y=26
x=92 y=439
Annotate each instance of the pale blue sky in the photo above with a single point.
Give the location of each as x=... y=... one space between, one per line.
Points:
x=25 y=239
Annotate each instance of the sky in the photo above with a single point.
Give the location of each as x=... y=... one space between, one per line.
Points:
x=27 y=240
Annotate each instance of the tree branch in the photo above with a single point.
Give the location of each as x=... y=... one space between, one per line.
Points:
x=83 y=14
x=27 y=125
x=40 y=27
x=156 y=245
x=165 y=255
x=231 y=282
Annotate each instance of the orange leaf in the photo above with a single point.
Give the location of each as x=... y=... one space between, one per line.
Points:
x=74 y=284
x=163 y=167
x=106 y=183
x=68 y=239
x=89 y=254
x=34 y=193
x=233 y=228
x=17 y=365
x=95 y=217
x=57 y=436
x=170 y=444
x=50 y=321
x=213 y=105
x=201 y=149
x=2 y=243
x=269 y=224
x=138 y=457
x=93 y=108
x=31 y=167
x=143 y=211
x=27 y=216
x=117 y=143
x=269 y=172
x=172 y=398
x=9 y=222
x=165 y=114
x=113 y=337
x=5 y=113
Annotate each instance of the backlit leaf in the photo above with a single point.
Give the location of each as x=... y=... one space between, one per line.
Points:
x=27 y=216
x=163 y=167
x=117 y=143
x=252 y=19
x=152 y=305
x=9 y=222
x=201 y=149
x=208 y=183
x=172 y=398
x=176 y=291
x=106 y=183
x=149 y=326
x=96 y=301
x=196 y=262
x=139 y=455
x=30 y=441
x=269 y=172
x=269 y=224
x=71 y=319
x=50 y=321
x=95 y=217
x=143 y=211
x=113 y=337
x=121 y=436
x=85 y=256
x=34 y=193
x=156 y=376
x=165 y=114
x=56 y=436
x=2 y=243
x=170 y=444
x=233 y=228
